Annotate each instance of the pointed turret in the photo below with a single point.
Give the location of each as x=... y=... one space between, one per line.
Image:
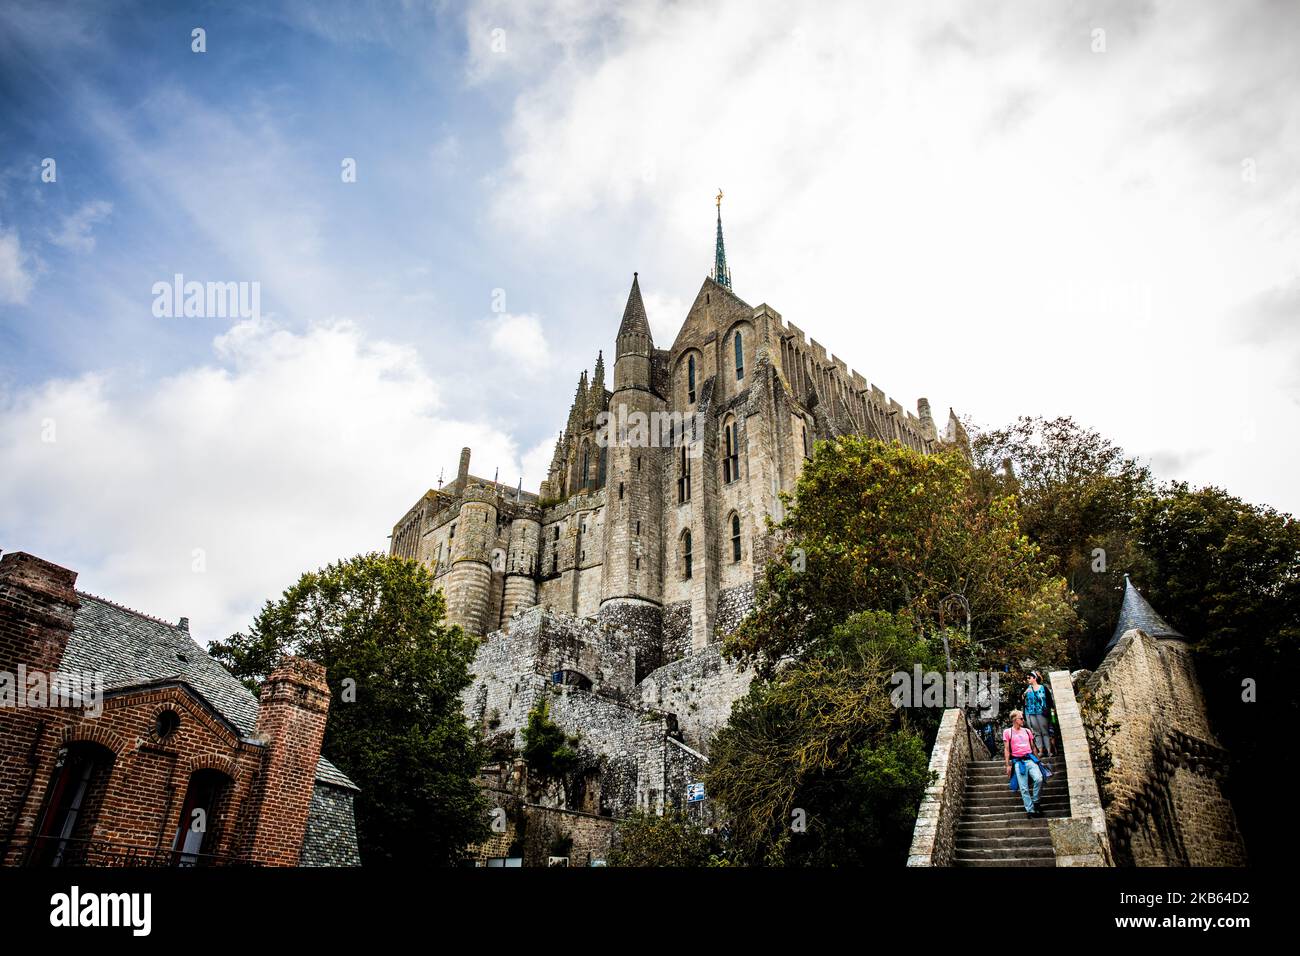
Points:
x=634 y=345
x=1135 y=612
x=721 y=274
x=596 y=394
x=579 y=406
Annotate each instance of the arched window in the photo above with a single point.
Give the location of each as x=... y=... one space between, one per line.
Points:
x=804 y=431
x=690 y=379
x=586 y=465
x=740 y=357
x=197 y=833
x=686 y=555
x=76 y=792
x=735 y=536
x=730 y=455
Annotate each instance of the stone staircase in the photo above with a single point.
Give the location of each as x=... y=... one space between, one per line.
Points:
x=993 y=829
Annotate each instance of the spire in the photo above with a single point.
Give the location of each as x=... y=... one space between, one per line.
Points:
x=634 y=320
x=1135 y=612
x=721 y=274
x=596 y=394
x=579 y=406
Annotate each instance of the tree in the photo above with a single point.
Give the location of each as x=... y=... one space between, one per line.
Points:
x=673 y=839
x=1077 y=495
x=881 y=527
x=395 y=671
x=1226 y=574
x=816 y=765
x=550 y=753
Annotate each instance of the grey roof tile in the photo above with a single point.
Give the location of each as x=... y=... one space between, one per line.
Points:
x=131 y=649
x=1135 y=612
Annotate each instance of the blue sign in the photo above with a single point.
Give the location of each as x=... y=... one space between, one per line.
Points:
x=694 y=792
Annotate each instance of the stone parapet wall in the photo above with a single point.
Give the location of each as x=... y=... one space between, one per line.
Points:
x=934 y=837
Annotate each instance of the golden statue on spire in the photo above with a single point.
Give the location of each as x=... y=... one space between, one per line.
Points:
x=719 y=198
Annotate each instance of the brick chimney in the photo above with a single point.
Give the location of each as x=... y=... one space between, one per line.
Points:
x=292 y=708
x=37 y=606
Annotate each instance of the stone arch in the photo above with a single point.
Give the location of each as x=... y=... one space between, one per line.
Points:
x=681 y=390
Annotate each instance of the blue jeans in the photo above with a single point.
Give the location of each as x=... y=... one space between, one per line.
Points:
x=1026 y=770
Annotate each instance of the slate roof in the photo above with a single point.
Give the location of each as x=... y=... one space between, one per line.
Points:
x=132 y=649
x=634 y=317
x=1135 y=612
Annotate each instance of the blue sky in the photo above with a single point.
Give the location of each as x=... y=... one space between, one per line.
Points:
x=996 y=206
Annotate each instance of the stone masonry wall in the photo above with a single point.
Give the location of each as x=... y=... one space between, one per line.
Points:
x=1167 y=805
x=935 y=835
x=700 y=689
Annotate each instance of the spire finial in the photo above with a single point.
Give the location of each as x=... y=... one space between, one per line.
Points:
x=721 y=274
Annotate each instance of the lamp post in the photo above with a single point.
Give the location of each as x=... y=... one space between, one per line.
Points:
x=965 y=606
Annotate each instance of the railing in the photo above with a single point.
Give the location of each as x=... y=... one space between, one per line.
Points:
x=53 y=851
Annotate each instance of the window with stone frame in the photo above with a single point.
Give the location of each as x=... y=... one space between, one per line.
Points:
x=730 y=452
x=686 y=556
x=684 y=476
x=735 y=536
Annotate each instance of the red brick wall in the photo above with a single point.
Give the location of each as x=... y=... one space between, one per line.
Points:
x=293 y=706
x=37 y=606
x=261 y=817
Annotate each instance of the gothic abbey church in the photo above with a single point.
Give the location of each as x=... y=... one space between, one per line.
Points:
x=612 y=587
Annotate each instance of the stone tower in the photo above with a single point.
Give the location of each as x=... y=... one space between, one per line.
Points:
x=631 y=596
x=470 y=542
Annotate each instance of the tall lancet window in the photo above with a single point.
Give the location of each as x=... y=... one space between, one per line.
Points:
x=735 y=536
x=730 y=456
x=690 y=379
x=586 y=465
x=686 y=556
x=684 y=475
x=740 y=357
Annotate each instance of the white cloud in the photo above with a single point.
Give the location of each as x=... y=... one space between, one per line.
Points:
x=967 y=204
x=15 y=279
x=520 y=341
x=76 y=232
x=287 y=451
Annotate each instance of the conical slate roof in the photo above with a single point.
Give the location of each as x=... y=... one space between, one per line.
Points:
x=634 y=319
x=1135 y=612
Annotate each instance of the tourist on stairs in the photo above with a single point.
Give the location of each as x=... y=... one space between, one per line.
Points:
x=1019 y=746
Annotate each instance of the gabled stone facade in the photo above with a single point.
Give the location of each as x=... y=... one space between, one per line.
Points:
x=614 y=584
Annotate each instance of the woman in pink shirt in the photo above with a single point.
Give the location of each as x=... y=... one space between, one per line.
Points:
x=1020 y=747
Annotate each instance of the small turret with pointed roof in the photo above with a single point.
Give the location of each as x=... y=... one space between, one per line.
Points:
x=635 y=344
x=1135 y=612
x=596 y=394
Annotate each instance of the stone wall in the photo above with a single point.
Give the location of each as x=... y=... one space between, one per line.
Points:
x=935 y=835
x=1166 y=804
x=1082 y=840
x=700 y=689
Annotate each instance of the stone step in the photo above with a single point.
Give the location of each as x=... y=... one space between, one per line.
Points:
x=1034 y=843
x=1010 y=816
x=1000 y=772
x=994 y=785
x=1009 y=801
x=1011 y=861
x=980 y=825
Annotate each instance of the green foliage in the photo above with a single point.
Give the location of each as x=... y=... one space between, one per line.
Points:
x=882 y=527
x=549 y=752
x=1227 y=575
x=395 y=671
x=1094 y=709
x=1077 y=495
x=822 y=737
x=673 y=839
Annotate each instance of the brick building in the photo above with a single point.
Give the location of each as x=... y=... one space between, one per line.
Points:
x=122 y=742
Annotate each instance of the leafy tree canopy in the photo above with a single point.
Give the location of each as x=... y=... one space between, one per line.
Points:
x=395 y=670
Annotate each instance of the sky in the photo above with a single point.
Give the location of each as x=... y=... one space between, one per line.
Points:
x=1086 y=209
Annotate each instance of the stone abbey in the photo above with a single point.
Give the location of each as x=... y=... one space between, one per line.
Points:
x=615 y=583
